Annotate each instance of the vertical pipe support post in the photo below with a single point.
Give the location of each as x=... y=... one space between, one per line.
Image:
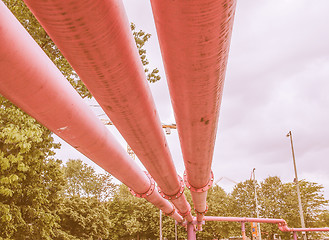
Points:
x=243 y=230
x=191 y=235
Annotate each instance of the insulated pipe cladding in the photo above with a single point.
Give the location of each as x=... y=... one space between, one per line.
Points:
x=95 y=37
x=194 y=38
x=31 y=81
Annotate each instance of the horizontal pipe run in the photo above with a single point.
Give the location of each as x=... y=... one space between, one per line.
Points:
x=32 y=82
x=287 y=229
x=95 y=38
x=194 y=38
x=281 y=223
x=243 y=219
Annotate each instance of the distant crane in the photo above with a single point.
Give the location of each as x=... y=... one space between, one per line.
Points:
x=131 y=153
x=221 y=178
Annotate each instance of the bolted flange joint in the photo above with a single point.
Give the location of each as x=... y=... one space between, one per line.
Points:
x=203 y=213
x=186 y=213
x=202 y=189
x=149 y=191
x=171 y=213
x=175 y=196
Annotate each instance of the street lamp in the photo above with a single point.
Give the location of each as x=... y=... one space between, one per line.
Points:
x=297 y=185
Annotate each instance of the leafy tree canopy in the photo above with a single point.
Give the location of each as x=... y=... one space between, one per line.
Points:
x=30 y=179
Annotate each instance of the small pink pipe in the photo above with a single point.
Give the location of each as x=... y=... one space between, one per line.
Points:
x=282 y=223
x=243 y=219
x=295 y=236
x=95 y=37
x=287 y=229
x=243 y=231
x=32 y=82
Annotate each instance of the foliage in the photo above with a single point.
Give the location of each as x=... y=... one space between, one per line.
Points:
x=219 y=204
x=132 y=217
x=83 y=218
x=279 y=200
x=30 y=180
x=141 y=38
x=313 y=204
x=83 y=181
x=272 y=201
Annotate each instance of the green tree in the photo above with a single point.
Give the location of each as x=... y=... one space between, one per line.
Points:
x=279 y=200
x=141 y=38
x=243 y=199
x=132 y=217
x=30 y=179
x=243 y=204
x=272 y=203
x=313 y=204
x=83 y=181
x=83 y=218
x=218 y=205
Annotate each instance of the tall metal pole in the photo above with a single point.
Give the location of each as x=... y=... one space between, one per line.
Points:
x=257 y=208
x=175 y=230
x=297 y=185
x=160 y=224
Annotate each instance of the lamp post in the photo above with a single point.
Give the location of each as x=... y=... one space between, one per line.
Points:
x=297 y=185
x=257 y=208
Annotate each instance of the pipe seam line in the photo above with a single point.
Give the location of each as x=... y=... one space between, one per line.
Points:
x=202 y=189
x=149 y=191
x=174 y=196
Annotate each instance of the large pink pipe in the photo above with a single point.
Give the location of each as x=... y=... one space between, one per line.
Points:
x=281 y=223
x=194 y=38
x=95 y=37
x=31 y=81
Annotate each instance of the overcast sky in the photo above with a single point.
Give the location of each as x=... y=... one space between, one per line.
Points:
x=277 y=80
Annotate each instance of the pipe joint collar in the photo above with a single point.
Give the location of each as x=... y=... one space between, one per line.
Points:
x=186 y=213
x=149 y=191
x=171 y=213
x=204 y=188
x=202 y=213
x=175 y=196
